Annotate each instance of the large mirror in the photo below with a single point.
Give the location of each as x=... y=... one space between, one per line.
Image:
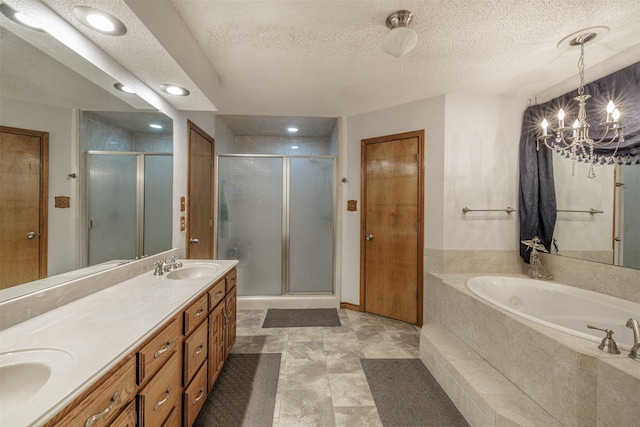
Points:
x=597 y=217
x=99 y=139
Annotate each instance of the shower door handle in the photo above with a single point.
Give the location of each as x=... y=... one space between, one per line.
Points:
x=194 y=240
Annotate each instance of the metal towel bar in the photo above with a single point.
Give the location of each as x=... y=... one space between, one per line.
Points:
x=590 y=211
x=507 y=210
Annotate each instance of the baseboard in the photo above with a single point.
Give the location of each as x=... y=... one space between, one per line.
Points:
x=350 y=306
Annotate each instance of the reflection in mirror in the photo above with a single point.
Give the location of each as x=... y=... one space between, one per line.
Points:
x=130 y=175
x=597 y=218
x=48 y=101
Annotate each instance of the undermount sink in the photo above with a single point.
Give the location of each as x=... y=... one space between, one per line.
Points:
x=27 y=374
x=194 y=271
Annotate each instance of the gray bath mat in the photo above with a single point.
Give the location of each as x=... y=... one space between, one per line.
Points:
x=244 y=394
x=301 y=318
x=406 y=394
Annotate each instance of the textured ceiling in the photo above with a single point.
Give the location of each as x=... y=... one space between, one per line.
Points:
x=323 y=57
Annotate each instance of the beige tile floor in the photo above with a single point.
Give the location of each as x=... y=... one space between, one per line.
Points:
x=321 y=380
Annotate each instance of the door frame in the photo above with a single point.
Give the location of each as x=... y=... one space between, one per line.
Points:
x=43 y=241
x=212 y=191
x=363 y=182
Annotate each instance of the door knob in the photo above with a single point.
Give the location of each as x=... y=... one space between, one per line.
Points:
x=194 y=240
x=369 y=237
x=31 y=235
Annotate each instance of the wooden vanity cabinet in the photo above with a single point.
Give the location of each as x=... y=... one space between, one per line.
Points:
x=103 y=402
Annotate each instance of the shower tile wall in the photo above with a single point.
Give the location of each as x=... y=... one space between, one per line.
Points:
x=98 y=135
x=282 y=145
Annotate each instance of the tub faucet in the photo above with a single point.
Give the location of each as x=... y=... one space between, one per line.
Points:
x=536 y=269
x=635 y=350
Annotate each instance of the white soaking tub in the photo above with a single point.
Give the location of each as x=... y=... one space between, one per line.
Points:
x=563 y=308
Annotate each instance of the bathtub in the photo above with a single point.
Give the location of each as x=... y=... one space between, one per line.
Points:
x=563 y=308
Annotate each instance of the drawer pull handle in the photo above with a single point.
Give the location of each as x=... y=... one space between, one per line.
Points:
x=199 y=313
x=104 y=412
x=226 y=318
x=200 y=396
x=163 y=349
x=218 y=295
x=198 y=350
x=163 y=401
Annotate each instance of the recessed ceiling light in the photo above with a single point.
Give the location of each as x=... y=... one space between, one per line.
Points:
x=174 y=90
x=292 y=129
x=99 y=21
x=20 y=18
x=294 y=147
x=155 y=126
x=123 y=88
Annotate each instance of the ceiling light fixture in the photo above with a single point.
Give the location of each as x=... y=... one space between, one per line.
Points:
x=174 y=90
x=99 y=21
x=294 y=147
x=401 y=39
x=155 y=126
x=574 y=140
x=292 y=129
x=123 y=88
x=20 y=18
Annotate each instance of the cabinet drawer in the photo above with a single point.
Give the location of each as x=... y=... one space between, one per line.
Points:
x=216 y=294
x=160 y=395
x=196 y=314
x=158 y=350
x=195 y=352
x=231 y=279
x=195 y=395
x=101 y=405
x=127 y=417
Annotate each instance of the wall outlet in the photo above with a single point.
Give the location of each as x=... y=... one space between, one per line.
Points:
x=61 y=202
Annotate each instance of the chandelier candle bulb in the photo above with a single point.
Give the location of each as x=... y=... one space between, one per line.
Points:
x=561 y=119
x=545 y=125
x=576 y=125
x=610 y=108
x=616 y=116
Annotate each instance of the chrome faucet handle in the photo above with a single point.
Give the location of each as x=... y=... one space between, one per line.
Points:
x=175 y=264
x=159 y=268
x=608 y=345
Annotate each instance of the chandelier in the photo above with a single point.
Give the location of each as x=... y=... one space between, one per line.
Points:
x=574 y=141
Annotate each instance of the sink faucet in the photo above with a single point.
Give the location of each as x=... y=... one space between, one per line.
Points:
x=635 y=350
x=163 y=266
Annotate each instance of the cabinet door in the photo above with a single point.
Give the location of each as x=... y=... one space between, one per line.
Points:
x=158 y=398
x=195 y=352
x=216 y=342
x=230 y=327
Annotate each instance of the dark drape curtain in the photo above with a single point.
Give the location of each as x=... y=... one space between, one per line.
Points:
x=537 y=189
x=537 y=193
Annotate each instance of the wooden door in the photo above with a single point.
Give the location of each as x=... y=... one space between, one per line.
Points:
x=200 y=192
x=391 y=219
x=23 y=205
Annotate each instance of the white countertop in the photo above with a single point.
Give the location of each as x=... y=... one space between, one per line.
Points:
x=97 y=331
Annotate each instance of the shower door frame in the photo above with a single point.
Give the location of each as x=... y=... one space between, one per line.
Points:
x=140 y=173
x=285 y=285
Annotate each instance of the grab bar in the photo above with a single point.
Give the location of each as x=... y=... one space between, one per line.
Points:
x=507 y=210
x=590 y=211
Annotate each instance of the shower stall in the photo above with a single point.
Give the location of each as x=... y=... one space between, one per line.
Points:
x=276 y=216
x=129 y=204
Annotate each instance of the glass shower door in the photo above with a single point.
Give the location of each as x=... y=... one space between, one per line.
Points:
x=112 y=207
x=250 y=208
x=311 y=225
x=158 y=191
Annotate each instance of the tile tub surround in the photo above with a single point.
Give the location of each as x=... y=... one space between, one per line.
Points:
x=567 y=376
x=98 y=331
x=23 y=308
